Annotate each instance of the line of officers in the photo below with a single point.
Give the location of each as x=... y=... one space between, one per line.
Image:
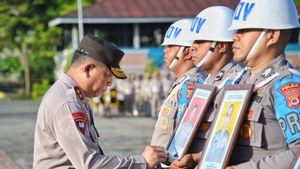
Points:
x=219 y=47
x=137 y=95
x=223 y=47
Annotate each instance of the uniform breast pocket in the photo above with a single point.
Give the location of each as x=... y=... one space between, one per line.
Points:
x=251 y=130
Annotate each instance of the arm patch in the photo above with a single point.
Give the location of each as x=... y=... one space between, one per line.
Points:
x=287 y=106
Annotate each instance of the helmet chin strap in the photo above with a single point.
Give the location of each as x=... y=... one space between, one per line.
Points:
x=256 y=45
x=178 y=55
x=211 y=49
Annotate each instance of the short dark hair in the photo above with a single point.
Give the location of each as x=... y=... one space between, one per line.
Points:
x=80 y=57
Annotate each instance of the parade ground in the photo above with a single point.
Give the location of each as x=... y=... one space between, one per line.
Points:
x=118 y=135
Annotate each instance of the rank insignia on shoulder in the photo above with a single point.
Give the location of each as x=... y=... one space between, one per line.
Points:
x=219 y=75
x=78 y=92
x=267 y=72
x=291 y=91
x=80 y=119
x=181 y=79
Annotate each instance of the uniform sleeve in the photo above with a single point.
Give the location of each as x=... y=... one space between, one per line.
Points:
x=287 y=110
x=81 y=151
x=276 y=161
x=166 y=121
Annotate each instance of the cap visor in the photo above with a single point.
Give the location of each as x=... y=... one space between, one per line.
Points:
x=118 y=72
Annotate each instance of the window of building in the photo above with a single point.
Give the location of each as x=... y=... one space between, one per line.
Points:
x=151 y=35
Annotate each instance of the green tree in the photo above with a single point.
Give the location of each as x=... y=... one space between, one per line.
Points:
x=24 y=32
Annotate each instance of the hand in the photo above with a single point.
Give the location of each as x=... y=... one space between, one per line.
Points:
x=231 y=167
x=154 y=155
x=188 y=161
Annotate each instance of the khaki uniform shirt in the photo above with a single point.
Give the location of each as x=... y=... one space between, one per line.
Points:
x=65 y=135
x=166 y=121
x=261 y=142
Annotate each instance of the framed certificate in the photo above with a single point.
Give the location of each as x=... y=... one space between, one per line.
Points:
x=227 y=122
x=184 y=133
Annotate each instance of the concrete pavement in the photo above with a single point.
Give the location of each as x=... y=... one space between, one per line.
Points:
x=118 y=135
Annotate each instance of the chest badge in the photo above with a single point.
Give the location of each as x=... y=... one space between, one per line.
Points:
x=268 y=72
x=219 y=75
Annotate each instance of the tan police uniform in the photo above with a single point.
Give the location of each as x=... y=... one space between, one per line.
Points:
x=65 y=135
x=261 y=142
x=166 y=121
x=219 y=80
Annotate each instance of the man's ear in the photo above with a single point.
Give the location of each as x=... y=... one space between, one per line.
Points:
x=272 y=37
x=87 y=68
x=186 y=54
x=222 y=47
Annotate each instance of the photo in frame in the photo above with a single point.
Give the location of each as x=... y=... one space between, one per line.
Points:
x=184 y=133
x=225 y=128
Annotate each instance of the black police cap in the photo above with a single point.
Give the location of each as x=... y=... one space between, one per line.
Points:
x=105 y=52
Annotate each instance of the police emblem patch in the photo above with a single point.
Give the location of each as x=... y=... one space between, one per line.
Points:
x=204 y=126
x=249 y=114
x=291 y=91
x=80 y=119
x=246 y=131
x=164 y=123
x=165 y=111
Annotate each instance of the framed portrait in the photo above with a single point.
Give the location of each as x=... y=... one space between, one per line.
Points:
x=188 y=125
x=230 y=114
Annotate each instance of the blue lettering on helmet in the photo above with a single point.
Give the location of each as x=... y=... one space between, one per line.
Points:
x=177 y=32
x=246 y=8
x=197 y=23
x=173 y=32
x=238 y=10
x=169 y=32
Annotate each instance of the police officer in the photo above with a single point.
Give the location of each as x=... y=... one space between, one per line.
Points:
x=65 y=133
x=270 y=133
x=212 y=52
x=177 y=58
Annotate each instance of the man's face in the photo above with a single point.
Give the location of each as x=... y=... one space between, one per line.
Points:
x=170 y=53
x=100 y=80
x=198 y=51
x=243 y=42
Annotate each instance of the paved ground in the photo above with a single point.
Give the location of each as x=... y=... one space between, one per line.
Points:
x=119 y=135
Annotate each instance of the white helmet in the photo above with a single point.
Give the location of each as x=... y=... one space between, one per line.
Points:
x=265 y=14
x=178 y=33
x=212 y=24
